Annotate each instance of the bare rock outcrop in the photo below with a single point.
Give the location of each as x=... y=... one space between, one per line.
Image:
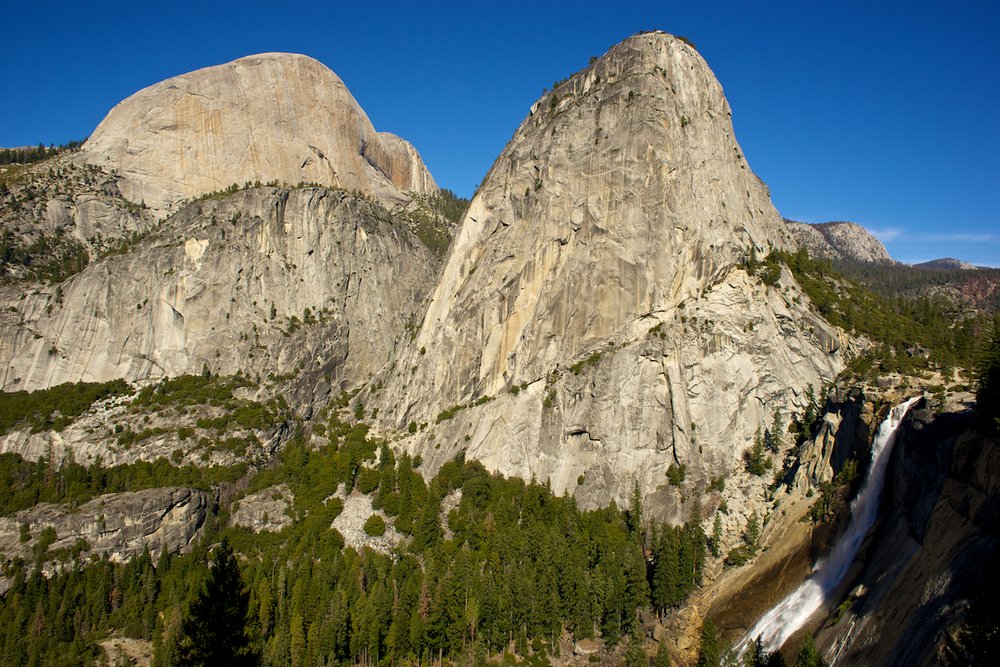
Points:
x=268 y=281
x=116 y=525
x=267 y=510
x=592 y=325
x=270 y=117
x=843 y=241
x=350 y=523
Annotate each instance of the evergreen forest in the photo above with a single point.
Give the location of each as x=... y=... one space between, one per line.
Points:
x=511 y=567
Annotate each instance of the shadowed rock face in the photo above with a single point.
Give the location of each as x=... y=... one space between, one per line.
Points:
x=933 y=552
x=116 y=525
x=610 y=229
x=845 y=241
x=270 y=117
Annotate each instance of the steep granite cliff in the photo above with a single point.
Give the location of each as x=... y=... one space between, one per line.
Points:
x=265 y=281
x=593 y=324
x=116 y=525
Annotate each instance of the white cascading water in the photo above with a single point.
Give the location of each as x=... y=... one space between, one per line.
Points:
x=783 y=619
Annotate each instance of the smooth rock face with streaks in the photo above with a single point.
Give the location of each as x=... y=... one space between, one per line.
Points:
x=592 y=306
x=270 y=117
x=264 y=281
x=839 y=241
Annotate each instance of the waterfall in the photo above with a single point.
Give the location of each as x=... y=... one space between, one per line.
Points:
x=782 y=620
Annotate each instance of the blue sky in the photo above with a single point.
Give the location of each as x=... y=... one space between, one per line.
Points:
x=880 y=113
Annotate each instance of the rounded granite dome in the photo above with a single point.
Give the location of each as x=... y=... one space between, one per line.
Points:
x=269 y=117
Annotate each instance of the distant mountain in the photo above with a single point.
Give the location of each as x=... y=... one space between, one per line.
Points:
x=845 y=241
x=945 y=264
x=859 y=255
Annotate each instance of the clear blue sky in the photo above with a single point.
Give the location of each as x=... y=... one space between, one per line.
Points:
x=884 y=113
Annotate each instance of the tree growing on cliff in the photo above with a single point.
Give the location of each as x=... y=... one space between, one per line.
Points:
x=709 y=653
x=808 y=655
x=757 y=460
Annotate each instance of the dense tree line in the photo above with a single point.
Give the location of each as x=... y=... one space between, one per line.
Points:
x=51 y=258
x=24 y=484
x=517 y=565
x=34 y=154
x=449 y=205
x=988 y=381
x=56 y=407
x=910 y=333
x=896 y=280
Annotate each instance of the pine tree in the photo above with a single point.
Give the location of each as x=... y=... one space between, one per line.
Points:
x=776 y=439
x=716 y=541
x=708 y=650
x=808 y=654
x=757 y=459
x=214 y=630
x=633 y=517
x=665 y=575
x=752 y=534
x=297 y=638
x=757 y=656
x=635 y=656
x=427 y=531
x=695 y=535
x=662 y=658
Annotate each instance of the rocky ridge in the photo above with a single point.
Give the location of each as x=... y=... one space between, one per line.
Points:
x=945 y=264
x=842 y=241
x=116 y=525
x=592 y=324
x=57 y=216
x=270 y=117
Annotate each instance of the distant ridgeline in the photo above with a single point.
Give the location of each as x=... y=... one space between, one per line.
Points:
x=29 y=154
x=979 y=288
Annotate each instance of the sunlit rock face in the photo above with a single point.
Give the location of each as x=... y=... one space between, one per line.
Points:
x=592 y=300
x=225 y=282
x=267 y=281
x=845 y=241
x=270 y=117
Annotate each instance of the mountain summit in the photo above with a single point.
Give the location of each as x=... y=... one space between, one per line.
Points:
x=270 y=117
x=845 y=241
x=593 y=325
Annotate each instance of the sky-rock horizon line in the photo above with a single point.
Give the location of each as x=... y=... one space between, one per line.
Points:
x=827 y=106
